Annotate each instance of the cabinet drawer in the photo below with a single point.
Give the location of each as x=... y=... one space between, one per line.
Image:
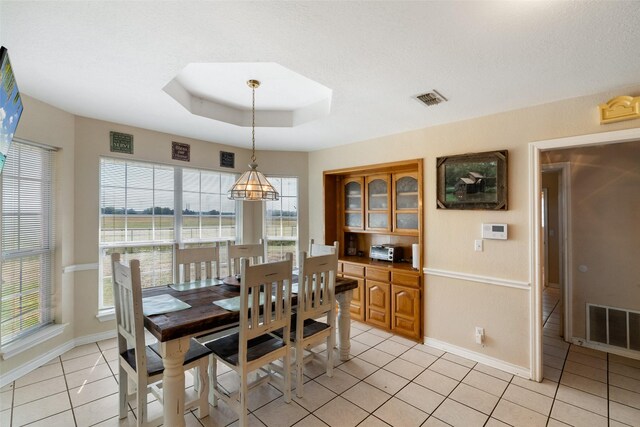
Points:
x=405 y=279
x=353 y=270
x=377 y=274
x=339 y=267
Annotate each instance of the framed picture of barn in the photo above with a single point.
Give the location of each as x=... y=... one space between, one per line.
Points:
x=473 y=181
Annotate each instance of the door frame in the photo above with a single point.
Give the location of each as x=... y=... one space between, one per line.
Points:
x=564 y=236
x=535 y=240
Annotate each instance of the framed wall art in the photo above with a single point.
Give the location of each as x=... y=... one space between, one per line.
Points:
x=473 y=181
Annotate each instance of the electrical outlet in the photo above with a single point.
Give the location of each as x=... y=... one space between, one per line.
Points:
x=479 y=335
x=477 y=245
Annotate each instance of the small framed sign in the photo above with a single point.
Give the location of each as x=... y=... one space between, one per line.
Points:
x=180 y=151
x=227 y=159
x=121 y=142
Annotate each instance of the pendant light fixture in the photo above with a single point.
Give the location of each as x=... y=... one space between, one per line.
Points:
x=253 y=185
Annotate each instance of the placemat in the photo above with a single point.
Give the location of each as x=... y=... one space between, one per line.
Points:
x=159 y=304
x=195 y=285
x=233 y=304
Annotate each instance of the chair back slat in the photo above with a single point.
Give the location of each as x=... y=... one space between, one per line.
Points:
x=255 y=252
x=127 y=289
x=316 y=249
x=199 y=260
x=270 y=284
x=316 y=285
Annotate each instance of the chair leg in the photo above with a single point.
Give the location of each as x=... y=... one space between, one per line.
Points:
x=213 y=380
x=244 y=391
x=123 y=388
x=330 y=342
x=203 y=392
x=196 y=379
x=299 y=352
x=286 y=363
x=141 y=397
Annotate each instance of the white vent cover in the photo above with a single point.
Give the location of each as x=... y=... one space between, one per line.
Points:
x=617 y=327
x=432 y=98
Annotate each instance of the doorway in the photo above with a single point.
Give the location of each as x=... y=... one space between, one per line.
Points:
x=536 y=238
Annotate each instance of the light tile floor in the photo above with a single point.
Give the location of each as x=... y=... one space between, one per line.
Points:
x=389 y=381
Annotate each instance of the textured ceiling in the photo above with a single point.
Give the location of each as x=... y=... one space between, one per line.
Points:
x=110 y=60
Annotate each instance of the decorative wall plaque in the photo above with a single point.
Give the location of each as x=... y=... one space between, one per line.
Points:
x=620 y=108
x=227 y=159
x=121 y=142
x=180 y=151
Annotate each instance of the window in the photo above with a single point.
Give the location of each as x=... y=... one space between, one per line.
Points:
x=146 y=208
x=27 y=242
x=281 y=220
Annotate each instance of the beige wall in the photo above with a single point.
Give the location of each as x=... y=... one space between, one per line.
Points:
x=453 y=306
x=605 y=201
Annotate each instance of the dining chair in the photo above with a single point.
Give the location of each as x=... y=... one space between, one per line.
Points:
x=255 y=252
x=205 y=263
x=316 y=249
x=316 y=298
x=265 y=306
x=139 y=363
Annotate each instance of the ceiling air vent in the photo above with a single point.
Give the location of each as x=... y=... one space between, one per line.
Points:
x=432 y=98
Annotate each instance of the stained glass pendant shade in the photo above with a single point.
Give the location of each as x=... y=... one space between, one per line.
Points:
x=253 y=185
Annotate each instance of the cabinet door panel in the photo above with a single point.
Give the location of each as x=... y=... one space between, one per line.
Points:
x=357 y=302
x=405 y=310
x=353 y=196
x=377 y=303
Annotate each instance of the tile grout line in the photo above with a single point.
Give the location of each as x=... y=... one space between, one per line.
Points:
x=608 y=401
x=500 y=399
x=566 y=357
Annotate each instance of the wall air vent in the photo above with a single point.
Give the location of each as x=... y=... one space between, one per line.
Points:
x=432 y=98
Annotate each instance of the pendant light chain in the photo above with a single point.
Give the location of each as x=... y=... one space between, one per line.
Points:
x=253 y=125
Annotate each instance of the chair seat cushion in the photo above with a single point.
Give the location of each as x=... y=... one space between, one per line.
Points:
x=311 y=327
x=227 y=347
x=154 y=360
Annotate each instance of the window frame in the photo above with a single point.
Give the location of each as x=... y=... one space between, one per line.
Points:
x=46 y=250
x=283 y=238
x=178 y=191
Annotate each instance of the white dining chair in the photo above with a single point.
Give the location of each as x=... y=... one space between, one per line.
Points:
x=196 y=263
x=255 y=252
x=265 y=306
x=316 y=249
x=139 y=363
x=316 y=299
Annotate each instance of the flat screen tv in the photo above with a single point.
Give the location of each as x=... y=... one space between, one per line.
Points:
x=10 y=105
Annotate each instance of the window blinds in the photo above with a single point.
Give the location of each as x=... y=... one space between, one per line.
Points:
x=27 y=242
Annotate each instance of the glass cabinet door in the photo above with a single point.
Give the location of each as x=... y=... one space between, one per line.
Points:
x=378 y=201
x=406 y=203
x=353 y=203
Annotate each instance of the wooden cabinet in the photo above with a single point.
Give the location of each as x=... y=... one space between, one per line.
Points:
x=378 y=308
x=353 y=193
x=379 y=205
x=406 y=203
x=356 y=272
x=378 y=196
x=405 y=311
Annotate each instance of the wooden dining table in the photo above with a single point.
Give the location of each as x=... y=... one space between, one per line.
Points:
x=174 y=330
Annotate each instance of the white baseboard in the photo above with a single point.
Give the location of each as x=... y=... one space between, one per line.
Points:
x=9 y=377
x=631 y=354
x=479 y=357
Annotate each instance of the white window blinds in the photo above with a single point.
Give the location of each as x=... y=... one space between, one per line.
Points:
x=27 y=242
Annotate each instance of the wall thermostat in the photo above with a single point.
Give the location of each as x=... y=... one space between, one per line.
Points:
x=494 y=231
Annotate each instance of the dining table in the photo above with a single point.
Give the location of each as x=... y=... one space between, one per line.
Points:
x=205 y=315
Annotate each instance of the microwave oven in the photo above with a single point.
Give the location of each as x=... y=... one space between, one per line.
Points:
x=386 y=253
